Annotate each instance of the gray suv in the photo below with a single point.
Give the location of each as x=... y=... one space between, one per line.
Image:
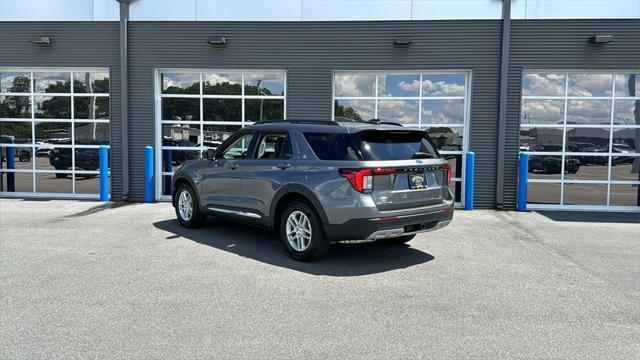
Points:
x=318 y=182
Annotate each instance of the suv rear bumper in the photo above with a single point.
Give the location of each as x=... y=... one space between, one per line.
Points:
x=389 y=227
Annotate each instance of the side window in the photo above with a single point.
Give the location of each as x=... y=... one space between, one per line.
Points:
x=274 y=146
x=239 y=148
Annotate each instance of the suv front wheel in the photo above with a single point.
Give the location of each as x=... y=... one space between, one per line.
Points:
x=301 y=232
x=187 y=209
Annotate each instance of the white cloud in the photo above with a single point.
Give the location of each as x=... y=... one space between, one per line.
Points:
x=544 y=84
x=179 y=80
x=355 y=85
x=443 y=112
x=542 y=112
x=441 y=88
x=594 y=112
x=590 y=84
x=403 y=111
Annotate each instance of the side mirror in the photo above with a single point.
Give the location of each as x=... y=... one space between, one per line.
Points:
x=210 y=154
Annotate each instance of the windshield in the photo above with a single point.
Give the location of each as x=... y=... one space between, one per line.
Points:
x=372 y=145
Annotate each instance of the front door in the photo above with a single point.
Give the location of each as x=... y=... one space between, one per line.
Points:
x=221 y=184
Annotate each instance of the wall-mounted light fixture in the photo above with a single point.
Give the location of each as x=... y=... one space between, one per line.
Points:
x=601 y=39
x=402 y=41
x=217 y=41
x=44 y=40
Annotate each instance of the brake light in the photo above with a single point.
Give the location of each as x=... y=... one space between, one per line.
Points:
x=362 y=179
x=447 y=169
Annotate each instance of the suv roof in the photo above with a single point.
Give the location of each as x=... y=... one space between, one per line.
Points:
x=341 y=125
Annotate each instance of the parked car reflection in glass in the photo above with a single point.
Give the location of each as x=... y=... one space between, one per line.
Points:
x=86 y=159
x=552 y=164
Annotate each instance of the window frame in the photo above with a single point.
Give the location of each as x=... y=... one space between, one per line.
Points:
x=262 y=135
x=232 y=140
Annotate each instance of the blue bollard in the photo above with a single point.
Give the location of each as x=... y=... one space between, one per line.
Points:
x=11 y=164
x=523 y=178
x=104 y=173
x=469 y=180
x=148 y=174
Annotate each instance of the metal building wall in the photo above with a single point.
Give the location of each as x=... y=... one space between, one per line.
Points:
x=310 y=51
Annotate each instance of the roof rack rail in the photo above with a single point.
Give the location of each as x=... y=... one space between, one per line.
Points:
x=311 y=122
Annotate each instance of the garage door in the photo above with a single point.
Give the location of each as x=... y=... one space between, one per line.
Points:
x=197 y=110
x=582 y=131
x=52 y=122
x=435 y=101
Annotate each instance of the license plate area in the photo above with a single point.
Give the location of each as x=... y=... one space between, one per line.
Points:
x=417 y=181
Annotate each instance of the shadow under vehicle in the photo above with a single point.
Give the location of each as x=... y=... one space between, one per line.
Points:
x=85 y=159
x=552 y=164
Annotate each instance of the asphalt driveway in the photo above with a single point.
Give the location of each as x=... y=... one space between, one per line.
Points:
x=78 y=280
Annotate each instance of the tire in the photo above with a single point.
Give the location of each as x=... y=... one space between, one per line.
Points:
x=24 y=157
x=187 y=207
x=61 y=176
x=295 y=218
x=400 y=240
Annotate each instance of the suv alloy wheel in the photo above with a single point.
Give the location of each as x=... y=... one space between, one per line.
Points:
x=187 y=209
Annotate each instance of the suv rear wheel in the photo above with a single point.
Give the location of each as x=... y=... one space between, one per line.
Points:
x=301 y=232
x=187 y=209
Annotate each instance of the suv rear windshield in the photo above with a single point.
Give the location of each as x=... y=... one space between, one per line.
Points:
x=372 y=145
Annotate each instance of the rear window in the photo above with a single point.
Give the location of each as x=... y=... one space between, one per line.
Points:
x=331 y=146
x=372 y=145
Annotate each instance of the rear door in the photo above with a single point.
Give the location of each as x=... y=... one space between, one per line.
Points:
x=267 y=170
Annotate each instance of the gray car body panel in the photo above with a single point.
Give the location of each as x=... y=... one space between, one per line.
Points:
x=254 y=186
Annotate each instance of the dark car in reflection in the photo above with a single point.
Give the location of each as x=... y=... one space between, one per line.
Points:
x=598 y=158
x=86 y=159
x=623 y=154
x=179 y=156
x=552 y=164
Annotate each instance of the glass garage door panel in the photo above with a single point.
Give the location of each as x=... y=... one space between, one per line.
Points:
x=582 y=131
x=434 y=101
x=52 y=123
x=198 y=110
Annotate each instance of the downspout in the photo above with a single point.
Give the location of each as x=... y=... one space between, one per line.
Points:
x=502 y=115
x=124 y=96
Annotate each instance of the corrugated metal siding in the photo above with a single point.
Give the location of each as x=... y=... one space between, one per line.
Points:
x=75 y=44
x=310 y=52
x=561 y=44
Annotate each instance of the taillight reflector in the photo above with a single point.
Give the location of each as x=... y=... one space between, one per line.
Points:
x=447 y=169
x=362 y=179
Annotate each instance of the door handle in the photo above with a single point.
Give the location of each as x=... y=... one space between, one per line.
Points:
x=283 y=166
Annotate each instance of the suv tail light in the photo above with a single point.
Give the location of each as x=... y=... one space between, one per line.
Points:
x=447 y=169
x=362 y=179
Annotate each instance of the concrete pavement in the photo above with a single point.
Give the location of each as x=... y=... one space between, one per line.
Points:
x=81 y=281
